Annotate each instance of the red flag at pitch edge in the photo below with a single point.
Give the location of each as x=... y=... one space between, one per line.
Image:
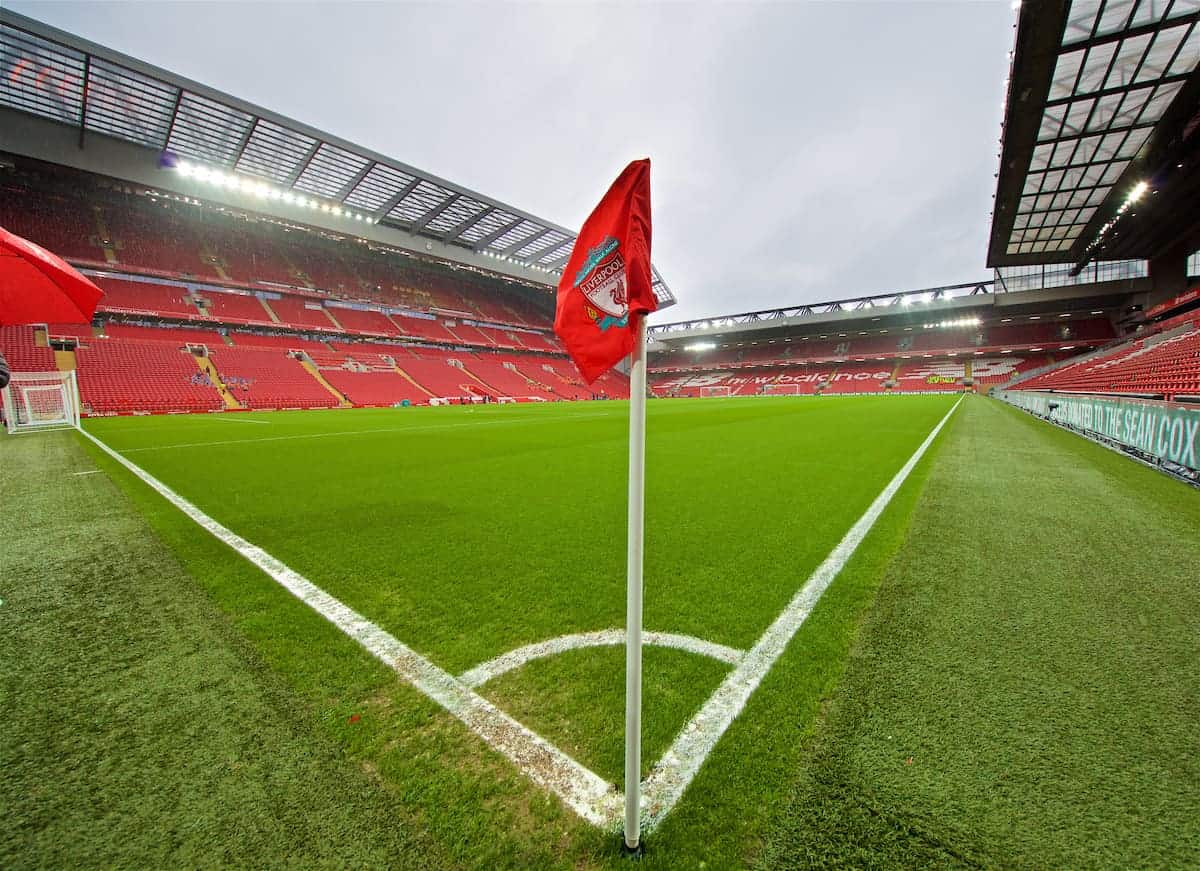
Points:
x=605 y=285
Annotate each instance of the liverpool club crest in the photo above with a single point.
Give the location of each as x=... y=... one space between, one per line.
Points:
x=602 y=281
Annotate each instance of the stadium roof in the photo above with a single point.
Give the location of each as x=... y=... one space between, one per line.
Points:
x=1101 y=113
x=59 y=77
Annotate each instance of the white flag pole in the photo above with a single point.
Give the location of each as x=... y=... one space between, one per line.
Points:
x=633 y=591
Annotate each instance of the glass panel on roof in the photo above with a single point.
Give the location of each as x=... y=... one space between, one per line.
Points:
x=1063 y=152
x=1129 y=57
x=1061 y=200
x=207 y=130
x=1157 y=105
x=1080 y=20
x=1080 y=197
x=540 y=246
x=1107 y=149
x=1053 y=180
x=1012 y=249
x=487 y=225
x=1161 y=53
x=1095 y=68
x=519 y=233
x=1183 y=7
x=1115 y=16
x=1096 y=197
x=462 y=209
x=1086 y=215
x=1041 y=156
x=1037 y=219
x=1135 y=101
x=1113 y=172
x=39 y=76
x=419 y=201
x=1021 y=222
x=1033 y=182
x=1071 y=178
x=1051 y=122
x=1091 y=176
x=330 y=170
x=1070 y=216
x=378 y=187
x=558 y=253
x=1134 y=142
x=1078 y=115
x=274 y=152
x=1105 y=110
x=1065 y=73
x=1086 y=151
x=1189 y=55
x=1039 y=247
x=1042 y=203
x=129 y=105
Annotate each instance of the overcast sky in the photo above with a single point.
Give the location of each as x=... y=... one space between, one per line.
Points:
x=801 y=151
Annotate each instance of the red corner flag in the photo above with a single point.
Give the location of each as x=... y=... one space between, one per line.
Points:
x=605 y=286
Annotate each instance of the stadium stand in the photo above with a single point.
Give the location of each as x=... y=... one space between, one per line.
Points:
x=128 y=375
x=1165 y=365
x=140 y=297
x=269 y=378
x=233 y=308
x=22 y=352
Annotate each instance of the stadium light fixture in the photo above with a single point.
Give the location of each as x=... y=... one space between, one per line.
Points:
x=700 y=346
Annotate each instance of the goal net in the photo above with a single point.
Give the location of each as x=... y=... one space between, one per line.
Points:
x=716 y=391
x=40 y=400
x=781 y=390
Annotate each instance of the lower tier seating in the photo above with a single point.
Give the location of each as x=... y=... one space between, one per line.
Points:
x=269 y=378
x=128 y=375
x=1166 y=365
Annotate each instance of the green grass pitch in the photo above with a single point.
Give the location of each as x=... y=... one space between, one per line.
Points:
x=245 y=729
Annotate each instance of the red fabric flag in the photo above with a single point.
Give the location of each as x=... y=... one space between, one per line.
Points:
x=605 y=286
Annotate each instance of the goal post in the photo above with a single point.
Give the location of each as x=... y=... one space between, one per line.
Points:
x=781 y=390
x=40 y=401
x=720 y=390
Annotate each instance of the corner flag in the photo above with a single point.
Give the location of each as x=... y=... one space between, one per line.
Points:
x=603 y=299
x=605 y=286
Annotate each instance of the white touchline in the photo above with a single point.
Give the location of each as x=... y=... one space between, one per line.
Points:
x=581 y=789
x=493 y=668
x=352 y=432
x=679 y=765
x=237 y=418
x=88 y=472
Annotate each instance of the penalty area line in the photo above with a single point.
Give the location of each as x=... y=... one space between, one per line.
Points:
x=677 y=768
x=581 y=789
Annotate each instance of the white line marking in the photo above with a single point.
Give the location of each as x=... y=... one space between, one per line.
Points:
x=679 y=765
x=88 y=472
x=353 y=432
x=581 y=789
x=493 y=668
x=237 y=418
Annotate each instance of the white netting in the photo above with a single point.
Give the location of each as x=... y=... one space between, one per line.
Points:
x=40 y=400
x=721 y=390
x=781 y=389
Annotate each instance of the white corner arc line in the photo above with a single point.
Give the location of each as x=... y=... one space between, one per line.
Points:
x=673 y=773
x=581 y=789
x=493 y=668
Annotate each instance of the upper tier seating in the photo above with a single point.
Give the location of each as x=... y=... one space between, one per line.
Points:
x=235 y=308
x=128 y=375
x=60 y=224
x=296 y=312
x=143 y=297
x=357 y=321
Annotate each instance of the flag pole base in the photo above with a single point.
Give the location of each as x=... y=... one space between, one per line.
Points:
x=633 y=854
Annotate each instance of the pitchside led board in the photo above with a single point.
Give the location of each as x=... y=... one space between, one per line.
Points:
x=1161 y=431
